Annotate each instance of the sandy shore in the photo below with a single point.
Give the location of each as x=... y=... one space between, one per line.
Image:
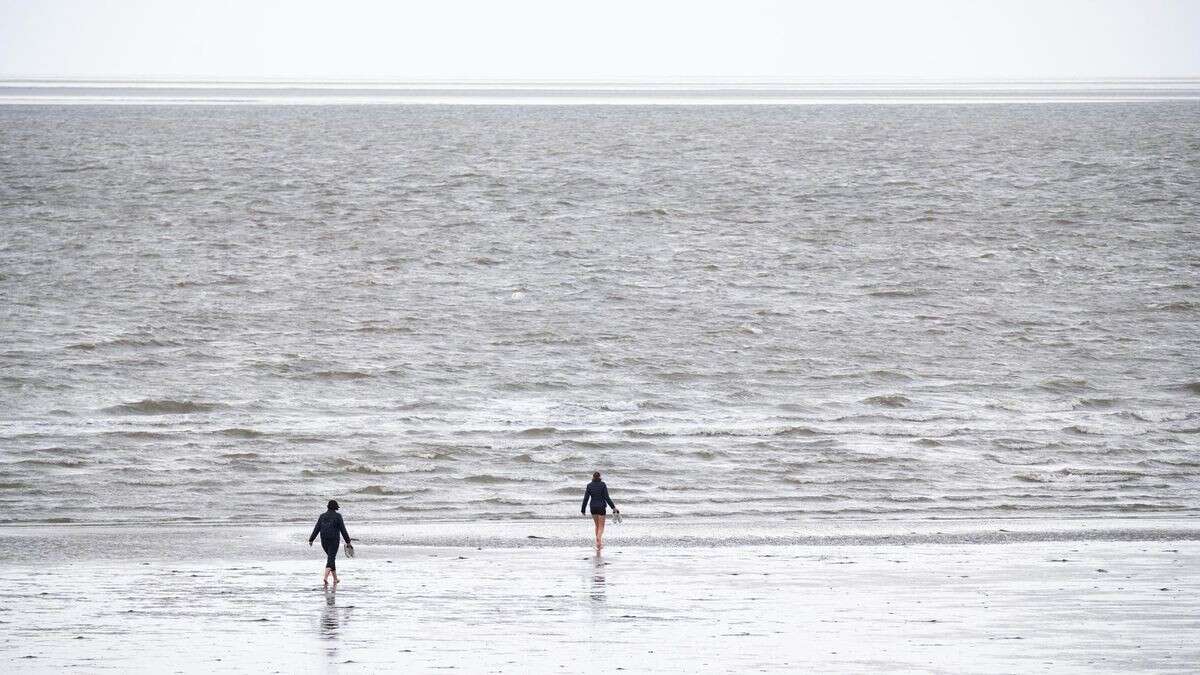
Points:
x=526 y=597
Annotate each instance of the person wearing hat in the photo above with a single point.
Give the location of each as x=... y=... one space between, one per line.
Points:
x=329 y=526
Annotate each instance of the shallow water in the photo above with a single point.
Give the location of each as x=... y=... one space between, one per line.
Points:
x=449 y=312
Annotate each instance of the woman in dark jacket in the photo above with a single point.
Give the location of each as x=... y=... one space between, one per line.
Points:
x=597 y=493
x=329 y=526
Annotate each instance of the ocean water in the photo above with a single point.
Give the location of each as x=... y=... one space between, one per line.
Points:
x=449 y=312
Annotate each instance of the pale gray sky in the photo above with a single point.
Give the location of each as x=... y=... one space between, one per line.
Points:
x=609 y=39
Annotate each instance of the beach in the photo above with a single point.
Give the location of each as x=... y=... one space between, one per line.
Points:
x=904 y=387
x=998 y=596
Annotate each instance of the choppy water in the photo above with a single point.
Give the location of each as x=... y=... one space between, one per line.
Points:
x=460 y=312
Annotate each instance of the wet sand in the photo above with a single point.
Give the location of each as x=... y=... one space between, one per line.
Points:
x=526 y=597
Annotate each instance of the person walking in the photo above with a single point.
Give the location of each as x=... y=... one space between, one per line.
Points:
x=329 y=526
x=597 y=493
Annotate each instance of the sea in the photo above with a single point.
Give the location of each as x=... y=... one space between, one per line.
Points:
x=868 y=304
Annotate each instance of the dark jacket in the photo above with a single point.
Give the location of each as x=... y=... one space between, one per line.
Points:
x=329 y=526
x=596 y=491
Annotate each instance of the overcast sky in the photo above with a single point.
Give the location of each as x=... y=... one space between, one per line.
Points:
x=604 y=39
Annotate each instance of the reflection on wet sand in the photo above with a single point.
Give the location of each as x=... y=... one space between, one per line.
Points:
x=333 y=619
x=329 y=616
x=597 y=590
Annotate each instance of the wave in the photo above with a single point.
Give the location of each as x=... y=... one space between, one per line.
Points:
x=534 y=386
x=418 y=405
x=238 y=432
x=897 y=293
x=438 y=455
x=908 y=499
x=557 y=458
x=1171 y=462
x=1125 y=507
x=370 y=470
x=796 y=431
x=682 y=376
x=1021 y=461
x=1024 y=444
x=396 y=330
x=123 y=342
x=1069 y=473
x=570 y=490
x=724 y=433
x=1096 y=403
x=66 y=463
x=644 y=433
x=384 y=491
x=888 y=401
x=350 y=466
x=1065 y=385
x=164 y=407
x=652 y=211
x=877 y=374
x=339 y=375
x=704 y=454
x=307 y=439
x=602 y=445
x=660 y=405
x=1176 y=306
x=491 y=479
x=537 y=432
x=137 y=435
x=503 y=501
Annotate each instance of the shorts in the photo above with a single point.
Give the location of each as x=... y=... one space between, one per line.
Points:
x=331 y=551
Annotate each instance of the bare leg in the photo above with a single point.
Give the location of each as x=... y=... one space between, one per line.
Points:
x=325 y=579
x=599 y=520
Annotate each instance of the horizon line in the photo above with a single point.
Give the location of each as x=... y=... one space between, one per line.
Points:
x=6 y=79
x=591 y=92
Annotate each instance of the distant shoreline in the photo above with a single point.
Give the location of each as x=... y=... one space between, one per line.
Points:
x=282 y=92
